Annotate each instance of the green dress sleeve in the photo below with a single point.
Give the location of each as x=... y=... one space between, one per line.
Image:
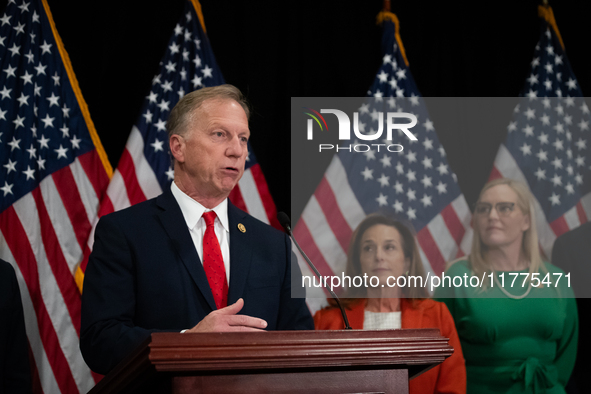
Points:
x=566 y=353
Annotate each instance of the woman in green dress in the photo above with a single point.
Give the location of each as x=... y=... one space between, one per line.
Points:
x=518 y=336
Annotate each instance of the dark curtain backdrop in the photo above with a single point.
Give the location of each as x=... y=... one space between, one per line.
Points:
x=276 y=50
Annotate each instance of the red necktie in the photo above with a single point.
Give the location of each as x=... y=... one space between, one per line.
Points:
x=213 y=262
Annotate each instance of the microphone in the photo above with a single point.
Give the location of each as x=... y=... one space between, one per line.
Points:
x=286 y=224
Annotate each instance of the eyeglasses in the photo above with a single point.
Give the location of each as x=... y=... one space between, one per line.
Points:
x=502 y=208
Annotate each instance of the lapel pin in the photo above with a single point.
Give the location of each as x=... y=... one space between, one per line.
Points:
x=241 y=228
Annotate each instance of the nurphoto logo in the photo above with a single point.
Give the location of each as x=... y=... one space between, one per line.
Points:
x=392 y=123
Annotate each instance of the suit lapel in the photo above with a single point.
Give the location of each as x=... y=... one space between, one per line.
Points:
x=174 y=223
x=240 y=253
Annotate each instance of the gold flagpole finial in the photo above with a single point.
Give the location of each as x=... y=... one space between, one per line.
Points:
x=545 y=11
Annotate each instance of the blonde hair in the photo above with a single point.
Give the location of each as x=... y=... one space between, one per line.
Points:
x=529 y=244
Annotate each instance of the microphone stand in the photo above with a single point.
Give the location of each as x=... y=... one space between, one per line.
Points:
x=285 y=222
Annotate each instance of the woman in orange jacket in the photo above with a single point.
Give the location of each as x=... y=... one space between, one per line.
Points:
x=383 y=247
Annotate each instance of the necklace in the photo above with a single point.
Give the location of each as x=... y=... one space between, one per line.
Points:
x=515 y=297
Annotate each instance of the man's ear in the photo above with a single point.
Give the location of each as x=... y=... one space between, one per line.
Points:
x=177 y=147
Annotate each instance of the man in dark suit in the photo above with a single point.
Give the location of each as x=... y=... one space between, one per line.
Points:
x=164 y=264
x=15 y=375
x=572 y=253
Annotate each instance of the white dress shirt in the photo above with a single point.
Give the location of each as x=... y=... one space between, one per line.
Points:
x=193 y=212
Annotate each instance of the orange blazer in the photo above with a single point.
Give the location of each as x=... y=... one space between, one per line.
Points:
x=447 y=377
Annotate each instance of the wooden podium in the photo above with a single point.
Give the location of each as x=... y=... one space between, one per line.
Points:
x=348 y=361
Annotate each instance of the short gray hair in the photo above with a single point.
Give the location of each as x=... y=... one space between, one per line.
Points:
x=183 y=112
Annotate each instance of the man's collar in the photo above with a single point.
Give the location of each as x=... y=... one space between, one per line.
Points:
x=193 y=210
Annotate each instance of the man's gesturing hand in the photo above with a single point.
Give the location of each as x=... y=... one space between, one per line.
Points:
x=226 y=319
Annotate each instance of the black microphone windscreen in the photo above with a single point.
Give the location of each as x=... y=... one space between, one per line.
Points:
x=284 y=220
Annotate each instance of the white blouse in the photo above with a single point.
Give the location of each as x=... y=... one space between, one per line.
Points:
x=382 y=320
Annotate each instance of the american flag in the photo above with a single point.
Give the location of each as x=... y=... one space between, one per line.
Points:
x=144 y=169
x=53 y=174
x=416 y=184
x=547 y=145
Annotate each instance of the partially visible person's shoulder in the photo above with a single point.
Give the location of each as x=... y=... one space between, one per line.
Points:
x=6 y=271
x=134 y=211
x=8 y=283
x=144 y=215
x=582 y=230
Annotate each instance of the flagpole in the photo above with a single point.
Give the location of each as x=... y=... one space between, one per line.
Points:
x=545 y=11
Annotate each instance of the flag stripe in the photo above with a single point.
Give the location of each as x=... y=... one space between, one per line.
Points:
x=312 y=251
x=335 y=219
x=15 y=234
x=254 y=205
x=145 y=176
x=39 y=358
x=69 y=291
x=66 y=187
x=105 y=208
x=559 y=226
x=57 y=262
x=237 y=199
x=444 y=241
x=586 y=204
x=426 y=263
x=95 y=173
x=55 y=301
x=63 y=228
x=571 y=218
x=453 y=224
x=88 y=197
x=311 y=292
x=117 y=192
x=265 y=195
x=332 y=253
x=494 y=174
x=463 y=211
x=127 y=170
x=431 y=250
x=581 y=213
x=349 y=206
